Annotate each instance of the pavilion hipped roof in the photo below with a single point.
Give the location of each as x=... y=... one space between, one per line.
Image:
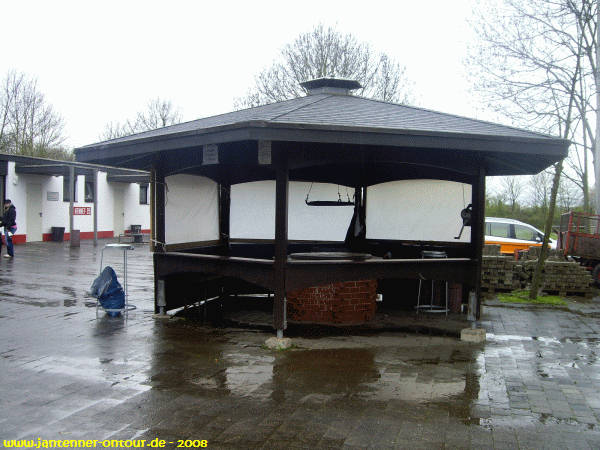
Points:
x=343 y=119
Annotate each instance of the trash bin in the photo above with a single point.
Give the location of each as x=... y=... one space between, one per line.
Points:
x=58 y=234
x=136 y=231
x=75 y=238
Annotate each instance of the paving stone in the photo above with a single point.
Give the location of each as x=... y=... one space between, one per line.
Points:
x=65 y=372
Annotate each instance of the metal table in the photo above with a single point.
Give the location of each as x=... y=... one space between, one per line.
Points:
x=432 y=307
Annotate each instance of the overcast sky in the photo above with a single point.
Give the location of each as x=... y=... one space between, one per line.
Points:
x=98 y=62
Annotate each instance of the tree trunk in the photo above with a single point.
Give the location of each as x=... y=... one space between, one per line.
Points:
x=586 y=187
x=536 y=282
x=597 y=140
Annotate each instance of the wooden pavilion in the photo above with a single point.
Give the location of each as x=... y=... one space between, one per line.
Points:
x=328 y=136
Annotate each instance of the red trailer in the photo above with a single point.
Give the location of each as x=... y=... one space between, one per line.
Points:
x=579 y=237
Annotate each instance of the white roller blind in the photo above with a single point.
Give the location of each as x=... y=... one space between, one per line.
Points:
x=420 y=210
x=191 y=210
x=253 y=211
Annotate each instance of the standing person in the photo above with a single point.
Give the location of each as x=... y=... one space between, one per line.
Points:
x=9 y=222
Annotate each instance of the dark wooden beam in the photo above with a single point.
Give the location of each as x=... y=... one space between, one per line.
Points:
x=152 y=210
x=281 y=235
x=305 y=273
x=260 y=130
x=224 y=216
x=159 y=207
x=478 y=231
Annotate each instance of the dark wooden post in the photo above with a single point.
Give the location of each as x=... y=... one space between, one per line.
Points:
x=95 y=207
x=478 y=231
x=281 y=236
x=152 y=210
x=159 y=208
x=224 y=216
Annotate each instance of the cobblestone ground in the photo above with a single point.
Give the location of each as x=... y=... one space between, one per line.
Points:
x=65 y=374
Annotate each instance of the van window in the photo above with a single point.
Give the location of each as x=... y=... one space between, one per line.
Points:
x=499 y=230
x=525 y=233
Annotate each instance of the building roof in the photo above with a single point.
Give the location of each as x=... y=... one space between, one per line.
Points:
x=342 y=111
x=54 y=167
x=341 y=119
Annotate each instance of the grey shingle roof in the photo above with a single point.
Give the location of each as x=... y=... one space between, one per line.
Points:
x=342 y=111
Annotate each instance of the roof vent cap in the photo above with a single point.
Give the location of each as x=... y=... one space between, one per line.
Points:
x=337 y=86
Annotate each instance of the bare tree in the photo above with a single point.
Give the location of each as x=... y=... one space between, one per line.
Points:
x=568 y=195
x=159 y=113
x=530 y=59
x=525 y=62
x=325 y=52
x=540 y=186
x=512 y=189
x=28 y=124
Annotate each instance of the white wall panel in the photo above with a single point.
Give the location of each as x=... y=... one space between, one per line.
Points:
x=105 y=204
x=16 y=191
x=54 y=213
x=192 y=209
x=421 y=210
x=253 y=211
x=136 y=214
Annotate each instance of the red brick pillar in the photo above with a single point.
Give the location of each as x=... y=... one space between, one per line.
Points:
x=345 y=303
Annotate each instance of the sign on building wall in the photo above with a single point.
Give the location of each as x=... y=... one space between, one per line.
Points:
x=52 y=196
x=82 y=211
x=264 y=152
x=210 y=154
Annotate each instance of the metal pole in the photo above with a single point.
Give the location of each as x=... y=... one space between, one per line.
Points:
x=71 y=198
x=95 y=207
x=125 y=271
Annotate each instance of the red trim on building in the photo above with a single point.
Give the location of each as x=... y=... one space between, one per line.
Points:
x=46 y=237
x=17 y=238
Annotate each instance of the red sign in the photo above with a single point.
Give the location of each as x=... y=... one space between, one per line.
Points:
x=82 y=211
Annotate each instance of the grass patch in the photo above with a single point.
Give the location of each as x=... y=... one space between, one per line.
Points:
x=523 y=297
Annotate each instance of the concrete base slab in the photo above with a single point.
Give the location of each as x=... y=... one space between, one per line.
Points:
x=161 y=316
x=476 y=335
x=275 y=343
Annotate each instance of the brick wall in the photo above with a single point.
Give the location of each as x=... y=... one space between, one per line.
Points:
x=348 y=303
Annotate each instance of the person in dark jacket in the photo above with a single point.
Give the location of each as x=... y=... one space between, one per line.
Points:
x=9 y=222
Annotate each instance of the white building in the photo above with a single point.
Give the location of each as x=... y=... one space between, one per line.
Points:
x=39 y=189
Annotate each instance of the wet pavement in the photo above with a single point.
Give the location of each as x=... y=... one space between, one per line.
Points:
x=65 y=374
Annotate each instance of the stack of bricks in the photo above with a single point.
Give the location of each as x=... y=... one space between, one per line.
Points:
x=499 y=273
x=503 y=273
x=563 y=278
x=534 y=253
x=346 y=303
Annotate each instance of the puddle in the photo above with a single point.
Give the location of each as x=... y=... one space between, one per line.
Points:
x=512 y=337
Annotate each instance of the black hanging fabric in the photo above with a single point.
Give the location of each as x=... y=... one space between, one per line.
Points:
x=357 y=231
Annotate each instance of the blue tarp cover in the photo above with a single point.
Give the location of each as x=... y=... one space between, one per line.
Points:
x=109 y=292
